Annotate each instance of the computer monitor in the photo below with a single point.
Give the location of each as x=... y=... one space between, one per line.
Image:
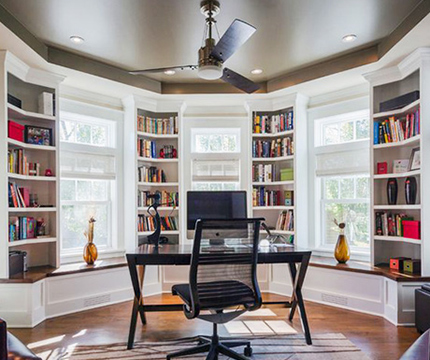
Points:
x=214 y=205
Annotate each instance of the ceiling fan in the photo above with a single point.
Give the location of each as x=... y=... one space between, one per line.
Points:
x=213 y=55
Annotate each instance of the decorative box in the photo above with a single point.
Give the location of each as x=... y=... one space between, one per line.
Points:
x=287 y=174
x=412 y=266
x=15 y=131
x=288 y=196
x=382 y=168
x=398 y=263
x=411 y=229
x=14 y=101
x=399 y=101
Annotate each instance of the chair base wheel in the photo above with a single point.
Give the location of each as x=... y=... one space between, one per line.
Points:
x=247 y=351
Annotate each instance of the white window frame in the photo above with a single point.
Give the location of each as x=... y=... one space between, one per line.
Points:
x=98 y=115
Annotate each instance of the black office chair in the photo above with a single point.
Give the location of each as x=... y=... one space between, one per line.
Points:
x=223 y=275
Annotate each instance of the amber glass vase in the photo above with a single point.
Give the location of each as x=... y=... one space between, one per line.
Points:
x=341 y=251
x=90 y=249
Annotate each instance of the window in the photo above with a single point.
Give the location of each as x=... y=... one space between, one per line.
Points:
x=88 y=181
x=215 y=163
x=342 y=178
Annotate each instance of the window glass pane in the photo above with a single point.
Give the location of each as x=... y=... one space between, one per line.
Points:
x=331 y=134
x=74 y=222
x=215 y=186
x=347 y=188
x=346 y=131
x=67 y=131
x=83 y=134
x=202 y=143
x=229 y=143
x=215 y=143
x=83 y=190
x=98 y=135
x=363 y=188
x=362 y=129
x=231 y=186
x=100 y=190
x=68 y=190
x=331 y=188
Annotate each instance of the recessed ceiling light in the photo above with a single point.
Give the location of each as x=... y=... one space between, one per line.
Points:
x=256 y=71
x=349 y=38
x=76 y=39
x=170 y=72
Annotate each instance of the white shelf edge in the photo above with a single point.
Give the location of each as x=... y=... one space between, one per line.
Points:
x=281 y=158
x=157 y=136
x=160 y=208
x=28 y=114
x=409 y=141
x=397 y=111
x=270 y=135
x=157 y=160
x=273 y=183
x=155 y=184
x=397 y=239
x=30 y=146
x=398 y=175
x=281 y=232
x=274 y=207
x=31 y=241
x=32 y=209
x=397 y=207
x=33 y=178
x=166 y=232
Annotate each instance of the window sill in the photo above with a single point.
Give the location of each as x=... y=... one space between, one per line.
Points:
x=355 y=255
x=69 y=258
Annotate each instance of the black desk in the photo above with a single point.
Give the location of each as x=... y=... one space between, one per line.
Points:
x=181 y=255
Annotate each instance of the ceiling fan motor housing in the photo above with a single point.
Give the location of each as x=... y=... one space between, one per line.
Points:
x=210 y=7
x=209 y=67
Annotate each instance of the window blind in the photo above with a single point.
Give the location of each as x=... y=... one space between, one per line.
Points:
x=84 y=165
x=215 y=170
x=355 y=161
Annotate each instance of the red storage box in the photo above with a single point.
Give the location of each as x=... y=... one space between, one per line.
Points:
x=411 y=229
x=397 y=263
x=15 y=131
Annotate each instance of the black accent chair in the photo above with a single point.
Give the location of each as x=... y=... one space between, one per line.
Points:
x=223 y=275
x=11 y=348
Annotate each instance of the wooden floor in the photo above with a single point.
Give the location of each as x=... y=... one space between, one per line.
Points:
x=375 y=336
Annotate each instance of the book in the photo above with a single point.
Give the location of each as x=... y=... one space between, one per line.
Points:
x=395 y=130
x=159 y=126
x=273 y=123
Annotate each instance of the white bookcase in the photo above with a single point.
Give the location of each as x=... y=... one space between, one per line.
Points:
x=296 y=103
x=411 y=74
x=135 y=107
x=27 y=84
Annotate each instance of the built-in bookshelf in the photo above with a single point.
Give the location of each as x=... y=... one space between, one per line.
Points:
x=274 y=167
x=399 y=227
x=30 y=184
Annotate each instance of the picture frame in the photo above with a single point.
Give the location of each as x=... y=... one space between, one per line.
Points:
x=37 y=135
x=415 y=159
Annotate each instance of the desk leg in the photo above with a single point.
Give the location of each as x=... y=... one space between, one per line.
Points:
x=137 y=282
x=297 y=296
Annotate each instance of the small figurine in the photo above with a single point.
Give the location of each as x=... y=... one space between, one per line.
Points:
x=48 y=172
x=162 y=155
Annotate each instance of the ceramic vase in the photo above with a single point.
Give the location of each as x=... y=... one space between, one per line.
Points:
x=90 y=249
x=410 y=190
x=341 y=251
x=392 y=191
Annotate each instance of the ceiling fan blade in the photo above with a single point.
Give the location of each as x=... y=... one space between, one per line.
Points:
x=235 y=36
x=239 y=81
x=184 y=67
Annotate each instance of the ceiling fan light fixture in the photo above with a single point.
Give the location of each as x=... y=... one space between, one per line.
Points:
x=170 y=72
x=256 y=71
x=210 y=72
x=349 y=38
x=76 y=39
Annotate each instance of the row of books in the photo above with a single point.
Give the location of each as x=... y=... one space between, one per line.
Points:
x=21 y=228
x=272 y=124
x=17 y=163
x=388 y=224
x=272 y=148
x=151 y=174
x=263 y=197
x=265 y=173
x=147 y=223
x=167 y=198
x=395 y=130
x=19 y=197
x=168 y=126
x=285 y=221
x=146 y=148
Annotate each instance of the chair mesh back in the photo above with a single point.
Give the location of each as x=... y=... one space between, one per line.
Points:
x=224 y=260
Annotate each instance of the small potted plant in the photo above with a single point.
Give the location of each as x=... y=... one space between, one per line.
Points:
x=341 y=251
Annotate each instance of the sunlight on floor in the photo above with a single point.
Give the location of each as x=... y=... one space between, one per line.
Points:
x=80 y=333
x=46 y=342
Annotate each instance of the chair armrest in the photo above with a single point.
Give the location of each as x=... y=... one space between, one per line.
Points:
x=3 y=340
x=17 y=350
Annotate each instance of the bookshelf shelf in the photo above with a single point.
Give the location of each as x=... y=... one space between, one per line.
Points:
x=154 y=184
x=166 y=232
x=275 y=135
x=398 y=175
x=19 y=144
x=397 y=207
x=280 y=158
x=397 y=239
x=408 y=142
x=276 y=207
x=273 y=183
x=157 y=136
x=281 y=232
x=160 y=208
x=157 y=160
x=410 y=107
x=16 y=113
x=34 y=241
x=32 y=178
x=32 y=210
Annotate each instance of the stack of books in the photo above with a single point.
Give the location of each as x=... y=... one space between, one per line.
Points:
x=19 y=197
x=285 y=221
x=388 y=224
x=167 y=198
x=21 y=228
x=17 y=163
x=272 y=148
x=263 y=197
x=265 y=124
x=265 y=173
x=147 y=223
x=395 y=130
x=146 y=148
x=151 y=174
x=168 y=126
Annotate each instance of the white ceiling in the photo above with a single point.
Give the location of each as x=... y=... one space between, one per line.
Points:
x=138 y=34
